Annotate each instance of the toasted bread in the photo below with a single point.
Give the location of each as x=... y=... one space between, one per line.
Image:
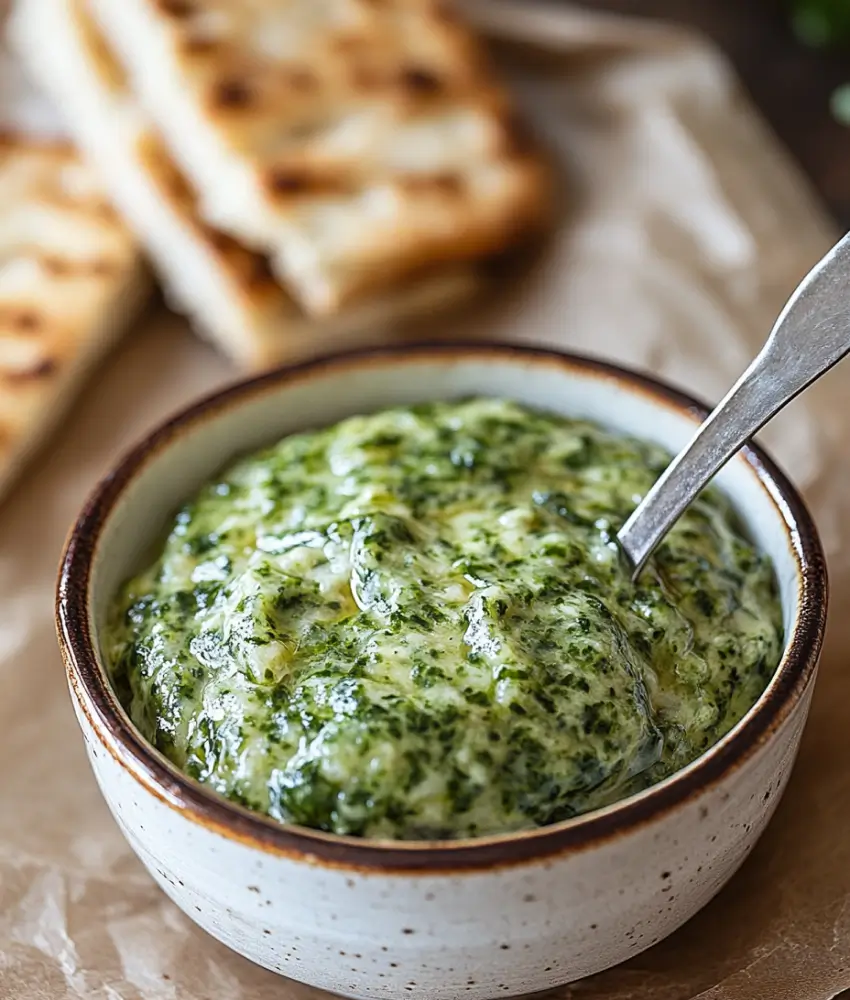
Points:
x=355 y=142
x=71 y=280
x=227 y=290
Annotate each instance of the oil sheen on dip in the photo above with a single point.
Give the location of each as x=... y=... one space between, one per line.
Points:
x=414 y=624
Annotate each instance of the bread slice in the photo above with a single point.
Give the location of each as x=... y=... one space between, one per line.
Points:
x=355 y=141
x=71 y=280
x=227 y=290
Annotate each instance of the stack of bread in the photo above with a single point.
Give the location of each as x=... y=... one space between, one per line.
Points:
x=297 y=170
x=300 y=174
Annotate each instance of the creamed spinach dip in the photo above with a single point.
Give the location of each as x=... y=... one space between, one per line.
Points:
x=415 y=624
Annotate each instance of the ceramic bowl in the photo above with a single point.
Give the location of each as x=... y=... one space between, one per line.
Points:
x=498 y=916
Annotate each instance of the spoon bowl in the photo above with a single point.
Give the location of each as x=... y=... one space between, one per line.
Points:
x=496 y=916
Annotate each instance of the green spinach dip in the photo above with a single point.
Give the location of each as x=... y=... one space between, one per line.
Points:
x=415 y=625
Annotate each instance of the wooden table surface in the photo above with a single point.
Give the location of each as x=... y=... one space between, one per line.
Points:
x=791 y=84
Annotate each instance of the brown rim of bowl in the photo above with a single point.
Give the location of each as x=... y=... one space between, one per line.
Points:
x=208 y=809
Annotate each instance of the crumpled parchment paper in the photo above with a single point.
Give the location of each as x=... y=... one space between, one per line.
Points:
x=683 y=229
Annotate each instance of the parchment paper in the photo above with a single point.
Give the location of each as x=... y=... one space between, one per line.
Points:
x=684 y=228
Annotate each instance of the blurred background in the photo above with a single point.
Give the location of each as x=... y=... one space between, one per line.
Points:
x=794 y=57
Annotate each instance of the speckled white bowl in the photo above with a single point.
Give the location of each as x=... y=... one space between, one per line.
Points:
x=484 y=918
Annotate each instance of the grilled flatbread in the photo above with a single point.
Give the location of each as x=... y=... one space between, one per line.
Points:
x=227 y=290
x=71 y=281
x=354 y=141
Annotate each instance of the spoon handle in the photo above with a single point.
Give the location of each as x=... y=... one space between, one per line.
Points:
x=811 y=335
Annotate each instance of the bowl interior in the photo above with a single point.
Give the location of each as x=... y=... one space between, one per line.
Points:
x=183 y=458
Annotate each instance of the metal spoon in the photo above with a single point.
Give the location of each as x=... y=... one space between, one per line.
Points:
x=811 y=335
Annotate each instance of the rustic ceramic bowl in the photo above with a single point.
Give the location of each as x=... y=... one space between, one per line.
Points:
x=483 y=918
